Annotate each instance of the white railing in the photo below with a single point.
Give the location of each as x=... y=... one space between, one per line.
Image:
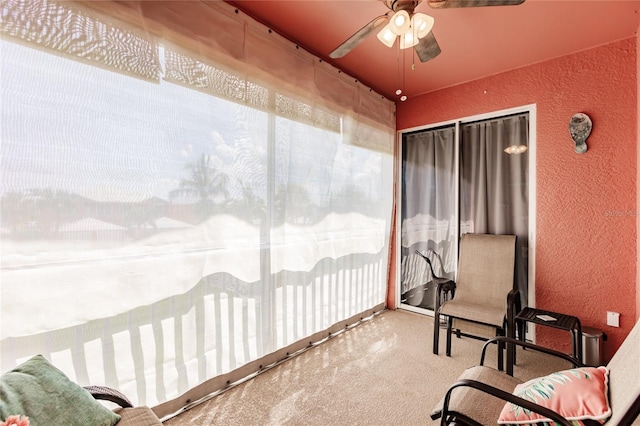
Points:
x=157 y=352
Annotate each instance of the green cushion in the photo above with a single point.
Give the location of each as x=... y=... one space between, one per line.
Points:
x=43 y=393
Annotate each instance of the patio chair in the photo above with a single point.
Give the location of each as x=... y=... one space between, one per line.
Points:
x=485 y=301
x=479 y=395
x=36 y=389
x=129 y=415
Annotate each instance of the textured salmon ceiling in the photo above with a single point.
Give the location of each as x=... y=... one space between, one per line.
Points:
x=475 y=42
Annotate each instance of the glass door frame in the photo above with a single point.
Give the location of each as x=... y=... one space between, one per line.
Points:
x=531 y=110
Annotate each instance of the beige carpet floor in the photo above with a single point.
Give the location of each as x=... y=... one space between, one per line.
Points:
x=382 y=372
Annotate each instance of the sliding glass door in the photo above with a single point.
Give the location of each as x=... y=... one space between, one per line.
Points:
x=466 y=177
x=429 y=213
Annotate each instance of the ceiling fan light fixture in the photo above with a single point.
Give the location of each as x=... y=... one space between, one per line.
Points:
x=516 y=149
x=386 y=36
x=408 y=40
x=422 y=24
x=400 y=22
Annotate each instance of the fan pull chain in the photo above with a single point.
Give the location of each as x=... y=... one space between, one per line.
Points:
x=404 y=74
x=400 y=83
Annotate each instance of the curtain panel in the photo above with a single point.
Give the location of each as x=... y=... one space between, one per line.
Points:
x=429 y=223
x=187 y=197
x=494 y=185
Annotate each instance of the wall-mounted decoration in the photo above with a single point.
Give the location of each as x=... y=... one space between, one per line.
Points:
x=580 y=129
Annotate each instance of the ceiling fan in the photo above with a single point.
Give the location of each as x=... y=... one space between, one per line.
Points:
x=413 y=29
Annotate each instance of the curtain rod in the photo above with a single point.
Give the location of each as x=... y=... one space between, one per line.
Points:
x=515 y=114
x=462 y=123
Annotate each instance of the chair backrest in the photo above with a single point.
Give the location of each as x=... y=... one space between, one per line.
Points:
x=624 y=377
x=486 y=269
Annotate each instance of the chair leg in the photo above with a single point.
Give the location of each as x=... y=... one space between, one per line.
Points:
x=513 y=308
x=449 y=332
x=513 y=350
x=500 y=353
x=436 y=332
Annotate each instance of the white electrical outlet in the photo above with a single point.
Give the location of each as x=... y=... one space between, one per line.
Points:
x=613 y=319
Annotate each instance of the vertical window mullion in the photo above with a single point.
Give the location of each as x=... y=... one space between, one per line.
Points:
x=268 y=311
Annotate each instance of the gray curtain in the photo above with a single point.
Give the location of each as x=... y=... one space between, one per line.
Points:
x=428 y=208
x=493 y=184
x=493 y=190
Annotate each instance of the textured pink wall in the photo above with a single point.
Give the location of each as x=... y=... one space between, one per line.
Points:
x=586 y=204
x=638 y=179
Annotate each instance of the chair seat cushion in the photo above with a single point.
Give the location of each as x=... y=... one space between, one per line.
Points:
x=475 y=404
x=474 y=312
x=576 y=394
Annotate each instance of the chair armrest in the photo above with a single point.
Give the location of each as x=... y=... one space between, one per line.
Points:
x=444 y=284
x=528 y=345
x=109 y=394
x=505 y=396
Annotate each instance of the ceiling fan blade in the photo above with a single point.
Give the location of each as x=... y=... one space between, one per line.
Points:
x=364 y=32
x=445 y=4
x=428 y=48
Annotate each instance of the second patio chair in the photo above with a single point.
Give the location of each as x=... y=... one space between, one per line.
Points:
x=485 y=301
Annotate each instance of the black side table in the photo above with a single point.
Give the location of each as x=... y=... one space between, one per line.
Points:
x=555 y=320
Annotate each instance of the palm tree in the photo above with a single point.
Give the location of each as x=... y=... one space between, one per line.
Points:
x=350 y=198
x=206 y=183
x=251 y=206
x=292 y=203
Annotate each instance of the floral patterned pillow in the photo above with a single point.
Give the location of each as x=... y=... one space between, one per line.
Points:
x=576 y=394
x=16 y=420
